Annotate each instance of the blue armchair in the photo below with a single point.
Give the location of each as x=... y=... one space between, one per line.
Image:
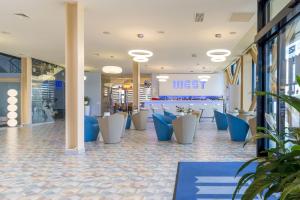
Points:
x=169 y=117
x=128 y=122
x=163 y=130
x=221 y=120
x=91 y=128
x=238 y=128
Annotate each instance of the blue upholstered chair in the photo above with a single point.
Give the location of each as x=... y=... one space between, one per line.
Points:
x=163 y=130
x=170 y=115
x=221 y=120
x=91 y=128
x=128 y=123
x=238 y=128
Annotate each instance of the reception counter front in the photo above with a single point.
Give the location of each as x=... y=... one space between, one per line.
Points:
x=208 y=106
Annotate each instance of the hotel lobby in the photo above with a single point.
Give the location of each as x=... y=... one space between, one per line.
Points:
x=149 y=100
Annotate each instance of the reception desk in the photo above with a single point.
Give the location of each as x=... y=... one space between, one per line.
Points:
x=208 y=106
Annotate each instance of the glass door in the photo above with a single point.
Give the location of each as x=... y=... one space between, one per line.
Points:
x=271 y=57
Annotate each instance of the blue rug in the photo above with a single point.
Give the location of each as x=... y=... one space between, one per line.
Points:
x=208 y=180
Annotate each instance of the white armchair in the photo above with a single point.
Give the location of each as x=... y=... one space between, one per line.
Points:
x=140 y=120
x=112 y=128
x=184 y=129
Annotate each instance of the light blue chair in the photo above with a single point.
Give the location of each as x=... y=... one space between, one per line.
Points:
x=163 y=130
x=169 y=117
x=238 y=128
x=221 y=120
x=91 y=128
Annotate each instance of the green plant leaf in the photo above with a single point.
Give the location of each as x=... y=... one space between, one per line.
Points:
x=298 y=80
x=246 y=164
x=289 y=190
x=296 y=148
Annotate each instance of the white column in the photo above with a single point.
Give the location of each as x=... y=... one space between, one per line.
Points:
x=74 y=62
x=26 y=91
x=136 y=77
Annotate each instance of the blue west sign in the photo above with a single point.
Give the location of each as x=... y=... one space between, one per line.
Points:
x=188 y=84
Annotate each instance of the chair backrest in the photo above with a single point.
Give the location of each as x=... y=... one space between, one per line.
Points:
x=171 y=115
x=186 y=123
x=233 y=120
x=160 y=118
x=112 y=124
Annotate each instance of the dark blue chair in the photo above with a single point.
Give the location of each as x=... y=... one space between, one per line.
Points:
x=169 y=117
x=163 y=130
x=221 y=120
x=238 y=128
x=128 y=123
x=91 y=128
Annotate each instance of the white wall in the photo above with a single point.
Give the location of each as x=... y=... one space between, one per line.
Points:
x=92 y=89
x=214 y=86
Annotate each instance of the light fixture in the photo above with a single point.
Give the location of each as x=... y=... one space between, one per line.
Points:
x=204 y=80
x=218 y=59
x=162 y=77
x=12 y=108
x=218 y=53
x=12 y=92
x=140 y=55
x=204 y=77
x=140 y=59
x=162 y=80
x=84 y=78
x=112 y=69
x=139 y=52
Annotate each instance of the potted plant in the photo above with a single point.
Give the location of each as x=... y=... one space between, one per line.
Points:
x=180 y=110
x=279 y=172
x=87 y=108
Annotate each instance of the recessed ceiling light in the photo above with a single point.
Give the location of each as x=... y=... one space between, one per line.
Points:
x=96 y=54
x=199 y=17
x=161 y=32
x=140 y=35
x=162 y=80
x=22 y=15
x=218 y=35
x=194 y=55
x=112 y=56
x=204 y=76
x=106 y=32
x=191 y=71
x=232 y=33
x=112 y=69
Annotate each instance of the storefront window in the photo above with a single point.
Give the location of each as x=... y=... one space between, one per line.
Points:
x=274 y=7
x=10 y=71
x=48 y=92
x=290 y=62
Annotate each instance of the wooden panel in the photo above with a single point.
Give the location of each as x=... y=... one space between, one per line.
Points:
x=237 y=71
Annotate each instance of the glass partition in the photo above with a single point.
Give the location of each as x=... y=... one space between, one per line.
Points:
x=48 y=92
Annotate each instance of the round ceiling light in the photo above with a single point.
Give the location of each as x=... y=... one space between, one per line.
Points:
x=218 y=53
x=162 y=77
x=140 y=59
x=139 y=52
x=112 y=70
x=218 y=59
x=12 y=100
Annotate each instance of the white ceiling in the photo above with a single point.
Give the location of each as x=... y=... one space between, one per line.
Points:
x=42 y=36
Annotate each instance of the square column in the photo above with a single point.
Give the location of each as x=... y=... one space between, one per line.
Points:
x=26 y=91
x=74 y=62
x=136 y=77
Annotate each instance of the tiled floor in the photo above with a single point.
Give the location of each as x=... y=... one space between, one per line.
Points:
x=33 y=164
